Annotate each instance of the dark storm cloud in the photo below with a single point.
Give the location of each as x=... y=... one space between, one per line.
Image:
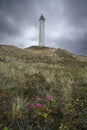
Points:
x=17 y=19
x=14 y=14
x=77 y=46
x=73 y=30
x=77 y=10
x=77 y=18
x=65 y=25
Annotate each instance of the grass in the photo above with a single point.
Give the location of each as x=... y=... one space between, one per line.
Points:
x=38 y=71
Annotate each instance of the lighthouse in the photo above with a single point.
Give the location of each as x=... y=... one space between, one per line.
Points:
x=41 y=31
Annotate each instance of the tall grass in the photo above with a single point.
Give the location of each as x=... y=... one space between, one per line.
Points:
x=22 y=79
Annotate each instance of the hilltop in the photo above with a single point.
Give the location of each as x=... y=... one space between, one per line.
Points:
x=38 y=53
x=42 y=71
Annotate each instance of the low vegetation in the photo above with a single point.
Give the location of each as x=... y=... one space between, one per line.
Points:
x=42 y=88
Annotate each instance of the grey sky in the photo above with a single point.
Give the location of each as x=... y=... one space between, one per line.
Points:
x=65 y=25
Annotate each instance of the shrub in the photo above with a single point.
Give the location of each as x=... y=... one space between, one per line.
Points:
x=44 y=112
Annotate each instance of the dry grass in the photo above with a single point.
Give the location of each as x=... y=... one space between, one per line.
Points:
x=39 y=71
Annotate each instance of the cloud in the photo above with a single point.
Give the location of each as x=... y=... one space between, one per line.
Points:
x=65 y=25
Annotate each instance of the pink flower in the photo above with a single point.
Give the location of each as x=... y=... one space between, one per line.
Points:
x=48 y=98
x=38 y=105
x=31 y=106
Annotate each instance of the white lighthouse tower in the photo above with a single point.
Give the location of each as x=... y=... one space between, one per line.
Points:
x=41 y=31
